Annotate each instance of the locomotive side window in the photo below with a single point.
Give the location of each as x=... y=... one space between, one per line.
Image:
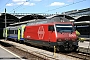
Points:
x=51 y=28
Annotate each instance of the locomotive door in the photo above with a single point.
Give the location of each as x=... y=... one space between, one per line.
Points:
x=51 y=33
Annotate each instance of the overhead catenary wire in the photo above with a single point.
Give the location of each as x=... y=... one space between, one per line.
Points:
x=4 y=5
x=19 y=6
x=51 y=9
x=66 y=5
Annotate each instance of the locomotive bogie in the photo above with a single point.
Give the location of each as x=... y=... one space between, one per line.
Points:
x=67 y=45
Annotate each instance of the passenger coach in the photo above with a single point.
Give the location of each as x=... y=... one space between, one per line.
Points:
x=14 y=32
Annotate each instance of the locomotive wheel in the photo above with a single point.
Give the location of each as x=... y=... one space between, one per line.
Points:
x=75 y=49
x=20 y=41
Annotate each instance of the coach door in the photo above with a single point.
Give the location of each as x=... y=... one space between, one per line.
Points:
x=5 y=32
x=22 y=31
x=19 y=34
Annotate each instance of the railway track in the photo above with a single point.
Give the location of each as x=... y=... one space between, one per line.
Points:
x=80 y=55
x=43 y=56
x=83 y=56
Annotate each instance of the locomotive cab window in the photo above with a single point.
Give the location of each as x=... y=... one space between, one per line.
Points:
x=51 y=28
x=64 y=28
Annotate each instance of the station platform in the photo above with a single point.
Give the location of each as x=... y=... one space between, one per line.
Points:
x=84 y=38
x=7 y=55
x=84 y=46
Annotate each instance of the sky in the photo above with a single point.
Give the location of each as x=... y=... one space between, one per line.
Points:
x=42 y=6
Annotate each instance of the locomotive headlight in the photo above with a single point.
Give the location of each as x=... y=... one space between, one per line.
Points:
x=66 y=38
x=73 y=40
x=59 y=40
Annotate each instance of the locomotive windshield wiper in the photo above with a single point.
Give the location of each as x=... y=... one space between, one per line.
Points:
x=61 y=31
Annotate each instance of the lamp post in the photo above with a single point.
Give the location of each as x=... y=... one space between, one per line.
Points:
x=5 y=26
x=0 y=14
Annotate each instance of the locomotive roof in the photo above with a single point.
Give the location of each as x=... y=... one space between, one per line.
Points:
x=49 y=20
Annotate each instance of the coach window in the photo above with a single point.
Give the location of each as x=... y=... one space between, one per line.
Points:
x=11 y=31
x=16 y=31
x=50 y=28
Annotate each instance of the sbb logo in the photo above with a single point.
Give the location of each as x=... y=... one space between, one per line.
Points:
x=41 y=32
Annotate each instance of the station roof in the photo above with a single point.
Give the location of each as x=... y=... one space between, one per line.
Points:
x=31 y=17
x=10 y=19
x=82 y=23
x=83 y=18
x=61 y=15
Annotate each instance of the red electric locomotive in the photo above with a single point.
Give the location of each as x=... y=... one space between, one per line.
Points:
x=51 y=32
